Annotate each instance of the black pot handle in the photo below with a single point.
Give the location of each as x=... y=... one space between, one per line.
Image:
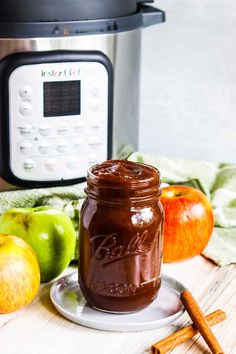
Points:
x=152 y=15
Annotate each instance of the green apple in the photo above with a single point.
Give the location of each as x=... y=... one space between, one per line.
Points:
x=50 y=232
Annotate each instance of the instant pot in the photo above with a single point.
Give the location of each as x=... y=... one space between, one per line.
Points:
x=69 y=86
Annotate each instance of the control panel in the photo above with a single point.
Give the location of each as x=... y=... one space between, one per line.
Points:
x=58 y=119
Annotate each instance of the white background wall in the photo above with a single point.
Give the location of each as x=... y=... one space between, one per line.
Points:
x=188 y=100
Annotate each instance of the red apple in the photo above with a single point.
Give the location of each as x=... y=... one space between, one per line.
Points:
x=19 y=273
x=188 y=222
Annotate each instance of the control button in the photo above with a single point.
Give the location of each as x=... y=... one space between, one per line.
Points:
x=63 y=129
x=92 y=159
x=25 y=130
x=73 y=163
x=95 y=124
x=79 y=127
x=26 y=93
x=26 y=109
x=79 y=144
x=45 y=129
x=29 y=165
x=95 y=105
x=62 y=146
x=94 y=141
x=25 y=147
x=44 y=147
x=95 y=90
x=51 y=164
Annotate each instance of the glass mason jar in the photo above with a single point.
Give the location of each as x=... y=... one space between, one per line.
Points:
x=121 y=228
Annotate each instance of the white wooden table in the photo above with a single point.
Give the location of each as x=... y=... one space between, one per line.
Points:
x=39 y=329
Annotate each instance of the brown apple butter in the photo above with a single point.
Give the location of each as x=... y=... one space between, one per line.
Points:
x=121 y=236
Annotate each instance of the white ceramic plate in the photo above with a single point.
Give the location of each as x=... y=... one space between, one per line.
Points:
x=66 y=296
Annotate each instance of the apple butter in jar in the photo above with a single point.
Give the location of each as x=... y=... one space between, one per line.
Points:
x=121 y=237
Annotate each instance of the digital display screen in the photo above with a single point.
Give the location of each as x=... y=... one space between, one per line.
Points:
x=61 y=98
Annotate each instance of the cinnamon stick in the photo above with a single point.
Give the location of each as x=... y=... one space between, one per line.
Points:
x=184 y=334
x=200 y=322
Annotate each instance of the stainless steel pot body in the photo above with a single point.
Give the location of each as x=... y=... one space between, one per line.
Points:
x=118 y=39
x=123 y=50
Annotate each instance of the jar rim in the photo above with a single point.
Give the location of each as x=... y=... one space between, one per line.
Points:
x=123 y=184
x=129 y=181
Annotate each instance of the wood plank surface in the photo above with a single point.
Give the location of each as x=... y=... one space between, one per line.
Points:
x=40 y=329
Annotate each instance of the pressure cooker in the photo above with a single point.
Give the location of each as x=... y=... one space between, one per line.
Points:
x=69 y=86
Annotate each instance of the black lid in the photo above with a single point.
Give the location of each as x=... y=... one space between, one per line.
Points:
x=65 y=10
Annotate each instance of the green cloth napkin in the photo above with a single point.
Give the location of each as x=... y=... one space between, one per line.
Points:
x=65 y=198
x=218 y=182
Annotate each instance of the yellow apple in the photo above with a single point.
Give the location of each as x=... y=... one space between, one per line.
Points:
x=19 y=273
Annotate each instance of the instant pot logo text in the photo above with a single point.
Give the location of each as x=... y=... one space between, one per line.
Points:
x=65 y=73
